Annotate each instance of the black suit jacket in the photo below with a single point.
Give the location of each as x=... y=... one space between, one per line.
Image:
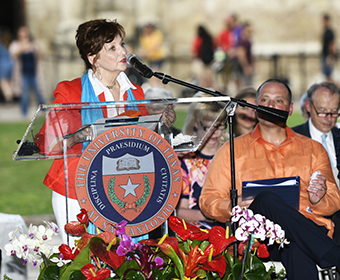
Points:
x=304 y=130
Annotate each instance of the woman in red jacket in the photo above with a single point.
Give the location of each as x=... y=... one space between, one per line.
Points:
x=101 y=46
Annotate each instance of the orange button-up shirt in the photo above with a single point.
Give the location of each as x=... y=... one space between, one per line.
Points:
x=257 y=159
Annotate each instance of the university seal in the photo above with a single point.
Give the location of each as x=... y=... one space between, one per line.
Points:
x=129 y=173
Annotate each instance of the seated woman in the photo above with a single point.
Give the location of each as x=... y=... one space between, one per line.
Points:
x=245 y=119
x=195 y=165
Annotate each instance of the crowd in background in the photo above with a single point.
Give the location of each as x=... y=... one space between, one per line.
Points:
x=226 y=57
x=19 y=68
x=218 y=60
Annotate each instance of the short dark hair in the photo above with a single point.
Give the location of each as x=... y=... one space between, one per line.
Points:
x=92 y=35
x=326 y=17
x=246 y=92
x=313 y=88
x=276 y=81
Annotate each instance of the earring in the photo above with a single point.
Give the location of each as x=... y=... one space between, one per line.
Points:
x=195 y=129
x=99 y=73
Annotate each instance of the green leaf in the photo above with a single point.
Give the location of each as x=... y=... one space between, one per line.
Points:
x=50 y=273
x=134 y=275
x=165 y=273
x=185 y=246
x=236 y=270
x=177 y=261
x=230 y=263
x=204 y=245
x=132 y=264
x=77 y=275
x=258 y=271
x=229 y=259
x=254 y=276
x=196 y=242
x=82 y=259
x=201 y=274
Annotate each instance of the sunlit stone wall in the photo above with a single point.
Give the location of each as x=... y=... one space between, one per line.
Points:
x=287 y=28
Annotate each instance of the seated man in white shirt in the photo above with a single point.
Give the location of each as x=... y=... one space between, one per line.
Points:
x=322 y=103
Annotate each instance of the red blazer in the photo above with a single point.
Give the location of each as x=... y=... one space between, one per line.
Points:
x=57 y=123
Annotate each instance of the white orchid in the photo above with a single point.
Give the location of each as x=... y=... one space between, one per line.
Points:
x=30 y=247
x=48 y=250
x=241 y=234
x=14 y=248
x=52 y=226
x=269 y=226
x=35 y=259
x=13 y=234
x=236 y=213
x=258 y=226
x=260 y=233
x=44 y=234
x=32 y=230
x=60 y=261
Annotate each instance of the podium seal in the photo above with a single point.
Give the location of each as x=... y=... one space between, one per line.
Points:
x=129 y=173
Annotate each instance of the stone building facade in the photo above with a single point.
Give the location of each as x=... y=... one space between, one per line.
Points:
x=286 y=34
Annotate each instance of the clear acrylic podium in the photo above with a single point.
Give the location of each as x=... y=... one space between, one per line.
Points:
x=49 y=133
x=63 y=121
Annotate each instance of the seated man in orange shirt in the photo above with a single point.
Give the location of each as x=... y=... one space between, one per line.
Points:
x=273 y=150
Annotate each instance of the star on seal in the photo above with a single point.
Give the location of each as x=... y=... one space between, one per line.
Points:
x=129 y=188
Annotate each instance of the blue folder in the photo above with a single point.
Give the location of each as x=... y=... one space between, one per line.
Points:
x=288 y=188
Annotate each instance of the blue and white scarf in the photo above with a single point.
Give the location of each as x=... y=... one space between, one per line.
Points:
x=90 y=116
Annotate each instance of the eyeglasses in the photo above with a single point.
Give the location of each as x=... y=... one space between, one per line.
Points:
x=323 y=115
x=216 y=126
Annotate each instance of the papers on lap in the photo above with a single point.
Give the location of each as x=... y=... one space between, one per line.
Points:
x=288 y=188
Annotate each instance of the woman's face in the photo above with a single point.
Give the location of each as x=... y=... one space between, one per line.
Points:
x=215 y=136
x=23 y=33
x=245 y=116
x=112 y=57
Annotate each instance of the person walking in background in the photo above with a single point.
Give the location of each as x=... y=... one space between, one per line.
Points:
x=26 y=54
x=245 y=58
x=245 y=119
x=6 y=70
x=151 y=43
x=203 y=52
x=227 y=41
x=195 y=165
x=329 y=51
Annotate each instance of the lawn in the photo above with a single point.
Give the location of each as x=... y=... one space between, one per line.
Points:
x=22 y=190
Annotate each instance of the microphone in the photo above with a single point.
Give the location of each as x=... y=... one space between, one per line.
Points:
x=144 y=70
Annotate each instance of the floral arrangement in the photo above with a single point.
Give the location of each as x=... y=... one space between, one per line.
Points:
x=194 y=254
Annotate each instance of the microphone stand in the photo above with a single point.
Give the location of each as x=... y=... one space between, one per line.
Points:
x=270 y=114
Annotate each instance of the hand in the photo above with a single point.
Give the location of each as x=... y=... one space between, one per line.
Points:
x=169 y=116
x=243 y=203
x=83 y=134
x=317 y=189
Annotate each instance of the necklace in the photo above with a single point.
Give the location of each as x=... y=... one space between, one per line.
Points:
x=113 y=86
